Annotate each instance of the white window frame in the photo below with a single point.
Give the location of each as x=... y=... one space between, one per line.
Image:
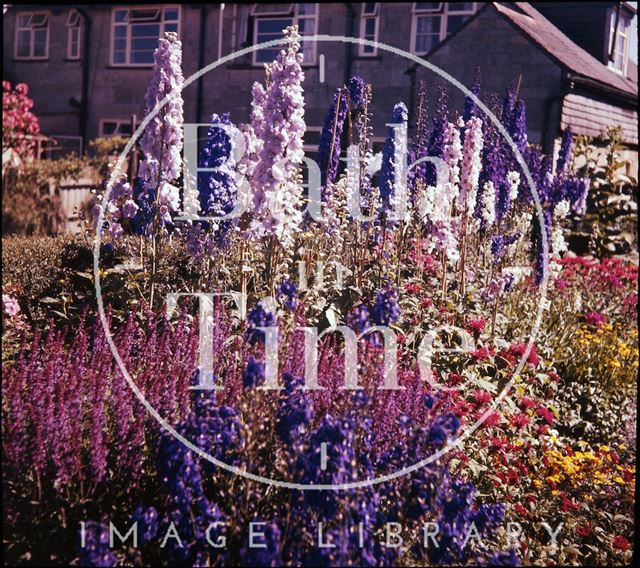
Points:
x=73 y=27
x=613 y=41
x=292 y=13
x=19 y=28
x=119 y=123
x=364 y=17
x=443 y=12
x=163 y=22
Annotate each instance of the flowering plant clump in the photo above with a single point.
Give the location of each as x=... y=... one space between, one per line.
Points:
x=19 y=125
x=362 y=381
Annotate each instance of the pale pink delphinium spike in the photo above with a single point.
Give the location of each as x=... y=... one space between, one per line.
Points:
x=276 y=181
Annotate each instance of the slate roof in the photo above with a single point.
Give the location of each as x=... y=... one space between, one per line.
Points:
x=559 y=47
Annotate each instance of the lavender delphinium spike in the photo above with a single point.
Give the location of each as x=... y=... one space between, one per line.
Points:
x=161 y=143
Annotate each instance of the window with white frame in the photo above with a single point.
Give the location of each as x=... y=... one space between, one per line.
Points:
x=369 y=22
x=32 y=35
x=435 y=21
x=135 y=32
x=116 y=127
x=618 y=41
x=270 y=19
x=73 y=35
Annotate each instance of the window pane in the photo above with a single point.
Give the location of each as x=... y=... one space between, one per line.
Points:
x=120 y=45
x=171 y=28
x=145 y=15
x=429 y=6
x=119 y=56
x=454 y=23
x=307 y=9
x=39 y=20
x=144 y=44
x=40 y=43
x=307 y=26
x=121 y=15
x=73 y=19
x=369 y=8
x=370 y=28
x=142 y=57
x=458 y=7
x=109 y=128
x=273 y=26
x=145 y=30
x=23 y=20
x=266 y=55
x=428 y=25
x=171 y=14
x=265 y=8
x=24 y=43
x=120 y=32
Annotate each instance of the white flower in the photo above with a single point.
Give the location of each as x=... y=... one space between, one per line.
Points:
x=513 y=178
x=561 y=210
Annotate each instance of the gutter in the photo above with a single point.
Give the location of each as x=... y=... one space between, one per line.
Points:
x=84 y=96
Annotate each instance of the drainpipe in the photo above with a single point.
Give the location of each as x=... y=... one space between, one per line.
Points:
x=548 y=134
x=84 y=96
x=351 y=16
x=220 y=24
x=200 y=86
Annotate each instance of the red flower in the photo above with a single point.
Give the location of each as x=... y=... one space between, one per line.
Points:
x=620 y=543
x=412 y=288
x=482 y=396
x=584 y=530
x=519 y=420
x=520 y=509
x=596 y=319
x=546 y=414
x=426 y=302
x=477 y=326
x=526 y=402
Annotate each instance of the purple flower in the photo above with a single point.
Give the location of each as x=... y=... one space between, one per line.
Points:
x=437 y=138
x=253 y=374
x=260 y=316
x=329 y=148
x=565 y=155
x=96 y=551
x=389 y=185
x=470 y=109
x=359 y=319
x=386 y=309
x=288 y=295
x=356 y=92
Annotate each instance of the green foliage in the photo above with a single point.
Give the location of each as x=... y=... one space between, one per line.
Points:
x=612 y=206
x=30 y=201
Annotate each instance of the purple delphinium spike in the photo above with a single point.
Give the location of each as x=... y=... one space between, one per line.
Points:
x=329 y=147
x=217 y=190
x=437 y=138
x=517 y=129
x=470 y=108
x=565 y=154
x=390 y=155
x=420 y=143
x=356 y=92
